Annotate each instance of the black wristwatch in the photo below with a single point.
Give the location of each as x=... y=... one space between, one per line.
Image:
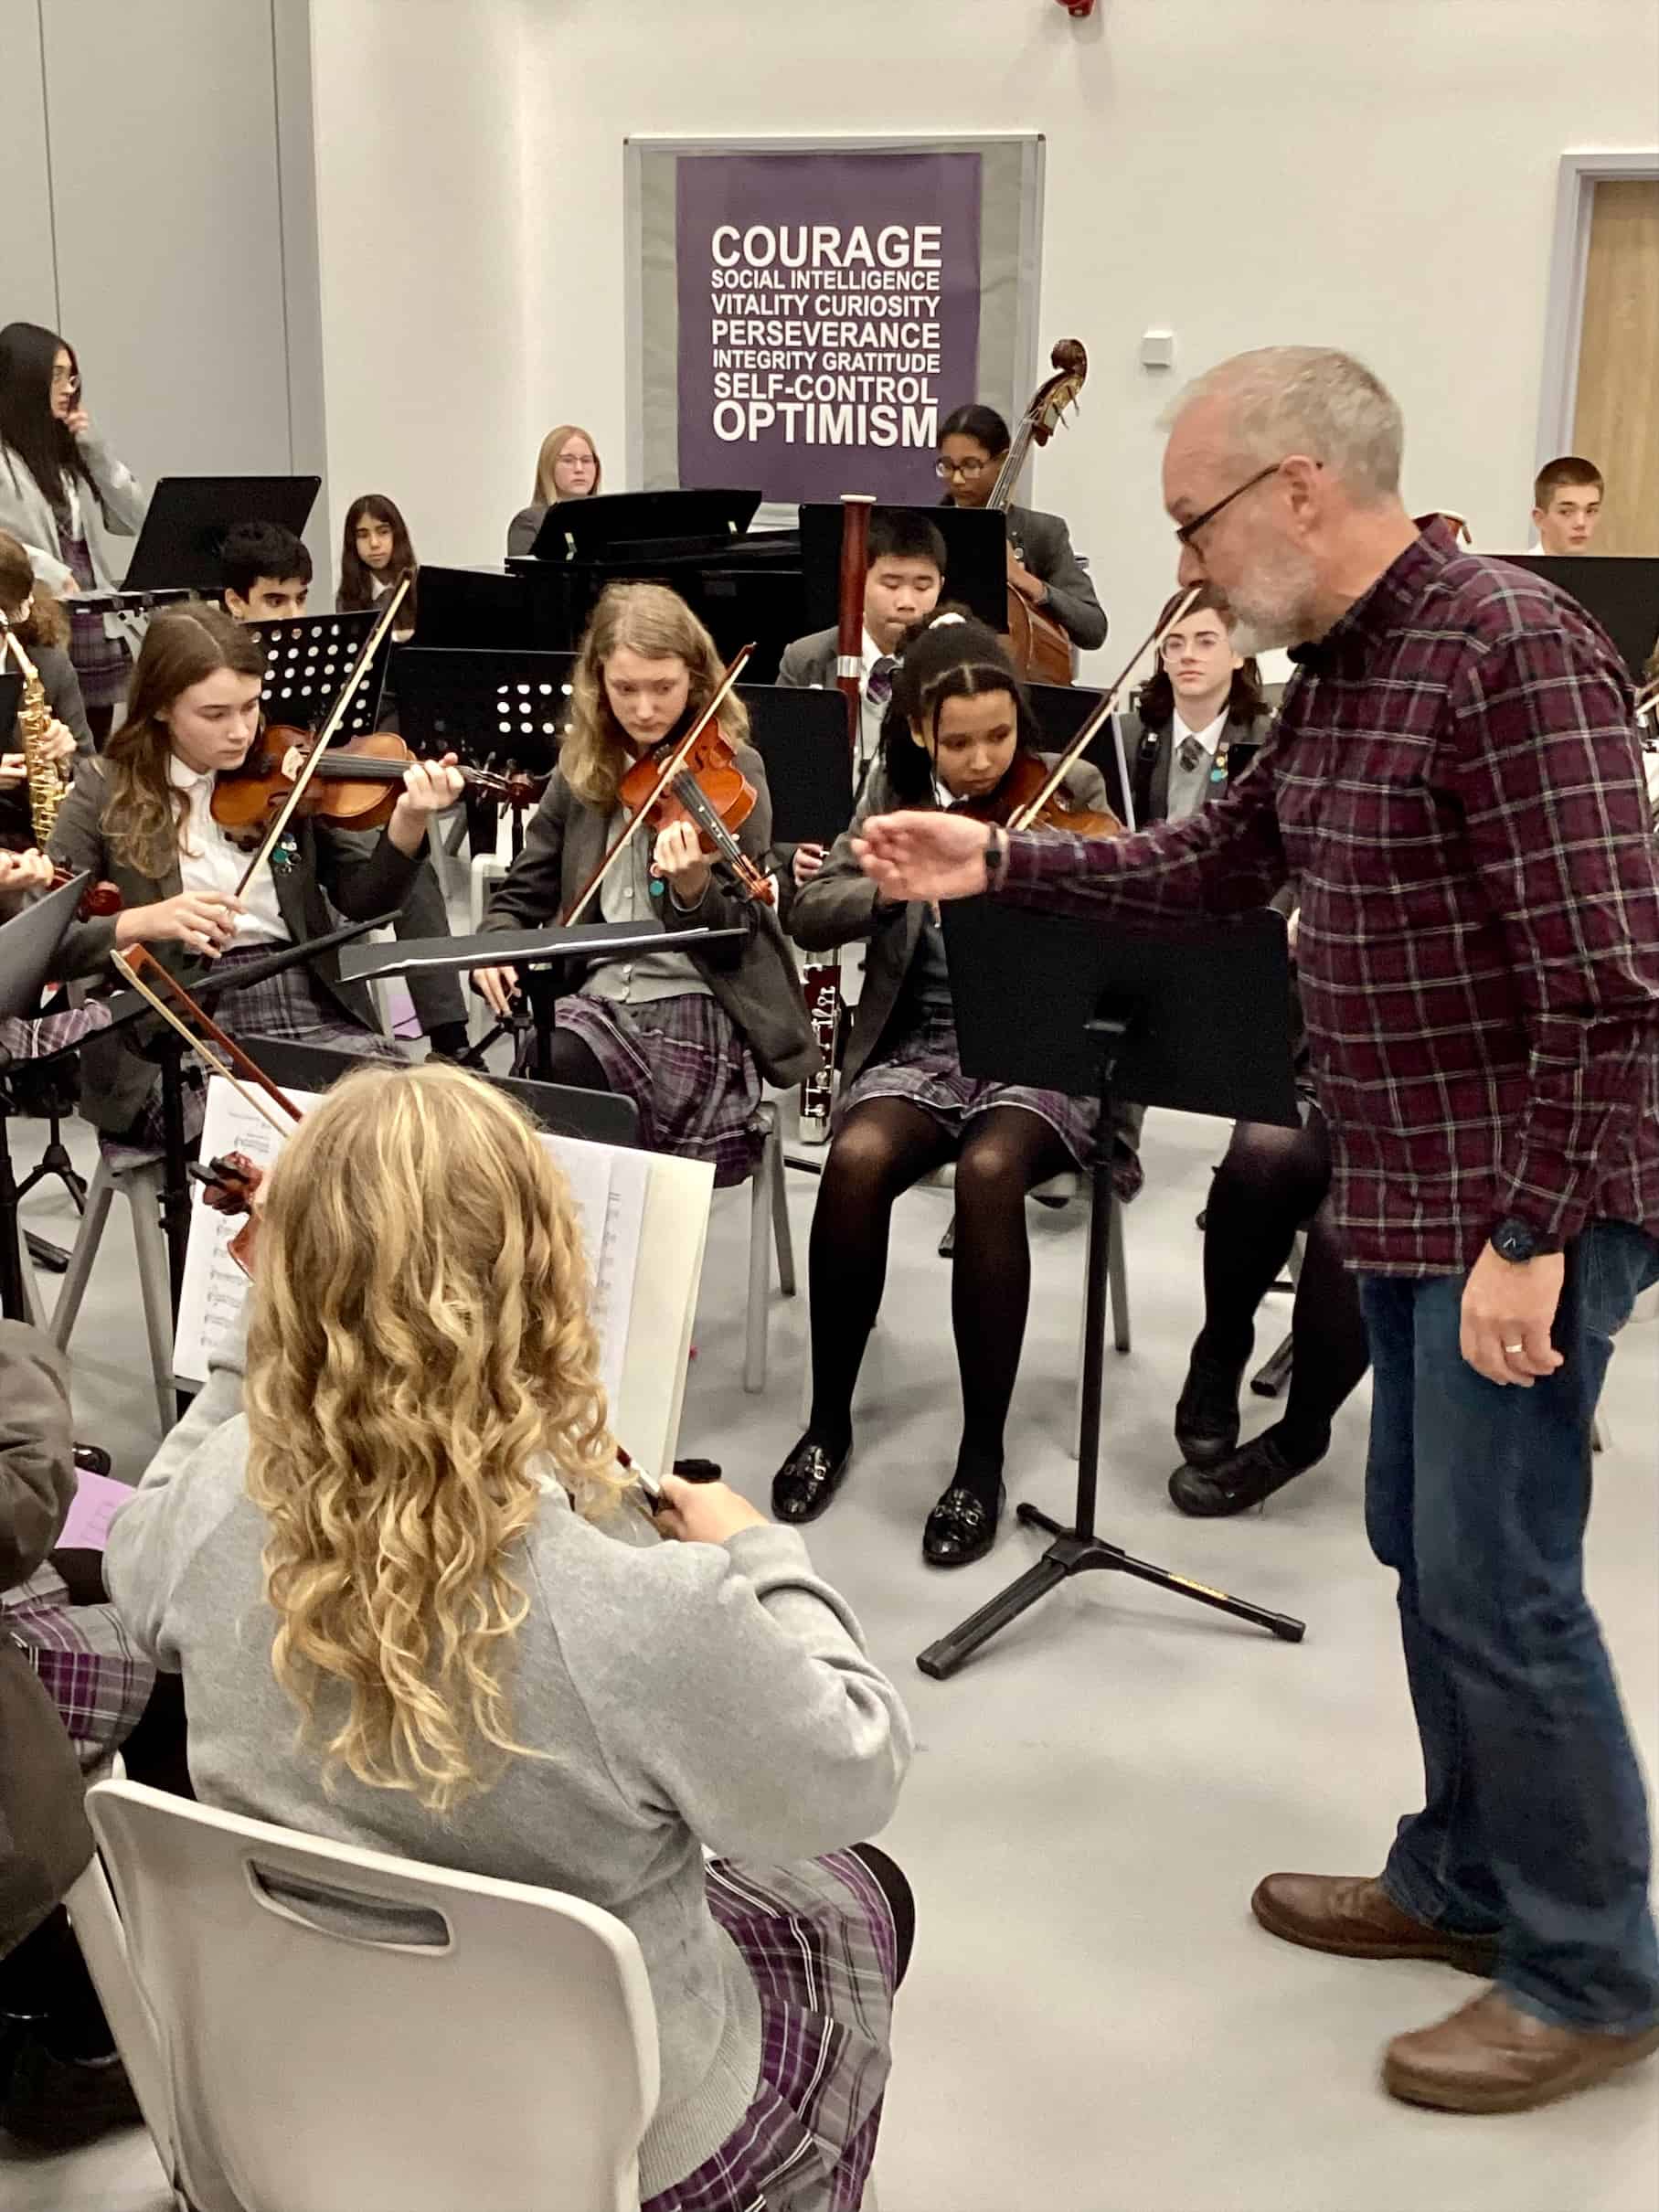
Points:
x=1517 y=1241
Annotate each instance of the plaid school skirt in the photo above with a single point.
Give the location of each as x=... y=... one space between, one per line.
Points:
x=291 y=1006
x=684 y=1063
x=97 y=1678
x=818 y=1940
x=925 y=1067
x=101 y=663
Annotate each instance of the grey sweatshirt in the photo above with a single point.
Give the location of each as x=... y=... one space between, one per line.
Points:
x=683 y=1694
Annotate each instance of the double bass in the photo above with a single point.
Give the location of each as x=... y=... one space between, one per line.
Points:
x=1040 y=647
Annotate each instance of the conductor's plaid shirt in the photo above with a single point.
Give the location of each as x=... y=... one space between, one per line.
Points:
x=1455 y=779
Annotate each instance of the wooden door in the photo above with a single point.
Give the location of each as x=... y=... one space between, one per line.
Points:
x=1616 y=419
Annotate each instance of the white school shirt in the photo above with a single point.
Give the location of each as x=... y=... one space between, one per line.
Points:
x=1189 y=787
x=208 y=861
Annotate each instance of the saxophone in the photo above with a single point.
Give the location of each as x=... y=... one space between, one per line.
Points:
x=34 y=722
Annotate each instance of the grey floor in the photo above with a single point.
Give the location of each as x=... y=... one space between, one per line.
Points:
x=1093 y=2022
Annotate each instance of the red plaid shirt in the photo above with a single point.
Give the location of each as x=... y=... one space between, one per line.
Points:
x=1455 y=781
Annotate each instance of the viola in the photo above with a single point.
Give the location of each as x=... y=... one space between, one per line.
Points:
x=354 y=786
x=667 y=787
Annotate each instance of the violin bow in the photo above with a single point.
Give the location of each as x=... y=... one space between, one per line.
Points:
x=1023 y=816
x=676 y=762
x=252 y=1080
x=326 y=736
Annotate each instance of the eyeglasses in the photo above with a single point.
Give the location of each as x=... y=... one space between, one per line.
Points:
x=1187 y=531
x=63 y=379
x=970 y=469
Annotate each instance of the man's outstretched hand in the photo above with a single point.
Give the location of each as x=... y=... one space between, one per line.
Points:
x=924 y=856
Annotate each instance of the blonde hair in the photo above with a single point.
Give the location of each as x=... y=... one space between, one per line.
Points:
x=656 y=624
x=547 y=491
x=420 y=1339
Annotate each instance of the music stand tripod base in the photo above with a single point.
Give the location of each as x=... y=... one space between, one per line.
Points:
x=1077 y=1549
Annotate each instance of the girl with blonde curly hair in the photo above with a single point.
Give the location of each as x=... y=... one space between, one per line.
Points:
x=687 y=1035
x=416 y=1609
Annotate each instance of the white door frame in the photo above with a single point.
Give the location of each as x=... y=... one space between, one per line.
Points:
x=1570 y=254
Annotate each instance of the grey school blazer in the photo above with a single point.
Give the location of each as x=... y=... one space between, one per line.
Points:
x=754 y=978
x=809 y=664
x=838 y=905
x=363 y=875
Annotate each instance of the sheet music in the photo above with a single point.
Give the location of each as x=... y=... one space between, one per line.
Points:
x=607 y=1184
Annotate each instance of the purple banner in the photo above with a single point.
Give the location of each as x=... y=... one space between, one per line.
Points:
x=828 y=318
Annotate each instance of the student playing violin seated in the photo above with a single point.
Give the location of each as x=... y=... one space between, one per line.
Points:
x=958 y=726
x=687 y=1035
x=416 y=1544
x=141 y=816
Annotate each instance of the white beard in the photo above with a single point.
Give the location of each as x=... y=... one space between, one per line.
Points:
x=1274 y=606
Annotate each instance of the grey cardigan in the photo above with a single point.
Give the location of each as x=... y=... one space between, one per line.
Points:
x=678 y=1696
x=838 y=905
x=522 y=530
x=113 y=504
x=754 y=980
x=364 y=876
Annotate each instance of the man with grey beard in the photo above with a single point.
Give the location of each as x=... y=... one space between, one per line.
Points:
x=1455 y=782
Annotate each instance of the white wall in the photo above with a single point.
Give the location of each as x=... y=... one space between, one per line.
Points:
x=426 y=287
x=1376 y=174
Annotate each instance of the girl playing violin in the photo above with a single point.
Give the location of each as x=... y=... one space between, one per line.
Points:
x=959 y=722
x=141 y=816
x=687 y=1035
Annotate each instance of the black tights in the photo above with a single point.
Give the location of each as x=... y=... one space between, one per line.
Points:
x=569 y=1061
x=1269 y=1184
x=881 y=1148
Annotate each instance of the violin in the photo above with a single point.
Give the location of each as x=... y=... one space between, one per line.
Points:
x=1023 y=799
x=97 y=903
x=1033 y=796
x=229 y=1185
x=354 y=786
x=696 y=779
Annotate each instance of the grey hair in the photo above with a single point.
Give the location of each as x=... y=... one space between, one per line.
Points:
x=1312 y=399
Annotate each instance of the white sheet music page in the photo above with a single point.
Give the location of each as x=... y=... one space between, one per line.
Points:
x=607 y=1185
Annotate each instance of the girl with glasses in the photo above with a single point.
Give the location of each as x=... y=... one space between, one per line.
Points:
x=1042 y=567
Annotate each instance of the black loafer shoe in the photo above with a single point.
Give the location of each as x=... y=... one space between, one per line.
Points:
x=1207 y=1412
x=1235 y=1484
x=962 y=1527
x=807 y=1480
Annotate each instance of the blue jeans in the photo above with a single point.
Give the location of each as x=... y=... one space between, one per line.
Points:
x=1534 y=1828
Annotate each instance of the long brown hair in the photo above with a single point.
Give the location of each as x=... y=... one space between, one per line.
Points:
x=1156 y=700
x=47 y=623
x=656 y=624
x=183 y=645
x=358 y=583
x=546 y=493
x=421 y=1363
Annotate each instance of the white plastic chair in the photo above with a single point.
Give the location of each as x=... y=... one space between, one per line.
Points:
x=337 y=2030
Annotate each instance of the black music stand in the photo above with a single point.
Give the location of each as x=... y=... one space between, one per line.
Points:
x=976 y=560
x=1190 y=1016
x=534 y=953
x=599 y=1117
x=1620 y=590
x=1061 y=710
x=499 y=710
x=28 y=946
x=641 y=526
x=307 y=662
x=481 y=608
x=802 y=737
x=185 y=525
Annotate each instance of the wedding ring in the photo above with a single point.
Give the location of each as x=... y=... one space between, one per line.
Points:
x=1514 y=1347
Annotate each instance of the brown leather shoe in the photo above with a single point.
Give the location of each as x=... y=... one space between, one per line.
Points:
x=1355 y=1918
x=1490 y=2057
